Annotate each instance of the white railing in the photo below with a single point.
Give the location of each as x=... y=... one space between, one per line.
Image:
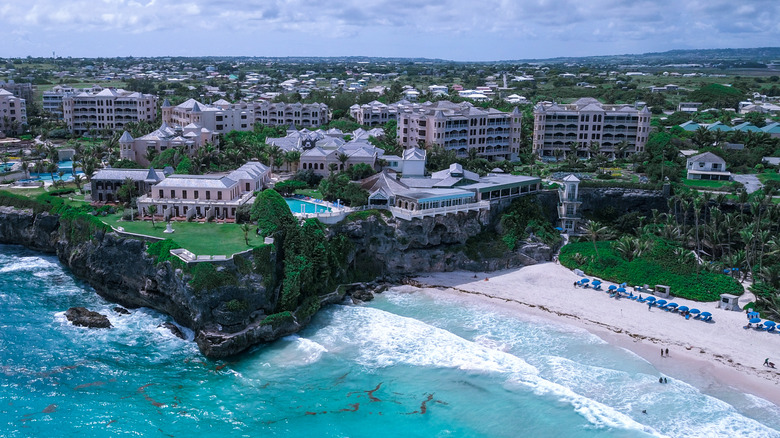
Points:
x=188 y=257
x=402 y=213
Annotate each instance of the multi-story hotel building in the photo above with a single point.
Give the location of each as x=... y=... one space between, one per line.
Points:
x=614 y=127
x=218 y=117
x=460 y=127
x=108 y=109
x=307 y=115
x=188 y=139
x=52 y=99
x=23 y=90
x=375 y=113
x=13 y=112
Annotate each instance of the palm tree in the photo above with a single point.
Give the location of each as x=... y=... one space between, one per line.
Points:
x=332 y=167
x=78 y=180
x=343 y=158
x=152 y=209
x=558 y=153
x=293 y=157
x=595 y=231
x=620 y=149
x=26 y=167
x=275 y=154
x=702 y=137
x=593 y=149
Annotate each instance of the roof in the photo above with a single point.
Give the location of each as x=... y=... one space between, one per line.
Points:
x=571 y=178
x=197 y=182
x=707 y=157
x=122 y=174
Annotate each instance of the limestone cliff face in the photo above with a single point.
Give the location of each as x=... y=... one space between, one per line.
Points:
x=621 y=201
x=121 y=271
x=385 y=245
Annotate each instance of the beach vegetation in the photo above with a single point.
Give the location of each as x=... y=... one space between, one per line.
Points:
x=277 y=319
x=206 y=276
x=524 y=218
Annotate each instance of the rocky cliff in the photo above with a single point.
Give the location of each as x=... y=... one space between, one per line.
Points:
x=227 y=320
x=388 y=246
x=232 y=314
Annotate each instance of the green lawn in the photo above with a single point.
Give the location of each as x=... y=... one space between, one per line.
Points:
x=769 y=175
x=199 y=238
x=706 y=184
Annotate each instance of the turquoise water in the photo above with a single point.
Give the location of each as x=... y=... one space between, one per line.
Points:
x=407 y=364
x=308 y=207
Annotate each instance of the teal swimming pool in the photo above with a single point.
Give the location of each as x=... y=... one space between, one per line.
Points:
x=298 y=206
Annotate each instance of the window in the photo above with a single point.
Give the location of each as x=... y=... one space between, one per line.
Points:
x=208 y=194
x=219 y=195
x=173 y=193
x=184 y=194
x=161 y=194
x=196 y=194
x=247 y=187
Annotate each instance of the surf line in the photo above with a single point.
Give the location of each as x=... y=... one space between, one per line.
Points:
x=719 y=358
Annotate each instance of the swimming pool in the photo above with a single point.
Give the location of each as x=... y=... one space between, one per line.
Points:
x=298 y=206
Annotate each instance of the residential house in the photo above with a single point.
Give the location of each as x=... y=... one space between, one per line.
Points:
x=707 y=166
x=689 y=107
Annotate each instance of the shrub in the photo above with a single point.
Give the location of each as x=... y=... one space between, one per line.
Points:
x=236 y=306
x=277 y=319
x=271 y=212
x=659 y=265
x=205 y=276
x=161 y=251
x=290 y=186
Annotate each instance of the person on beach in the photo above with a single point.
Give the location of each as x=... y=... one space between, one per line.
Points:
x=649 y=306
x=662 y=352
x=660 y=380
x=665 y=381
x=766 y=362
x=667 y=352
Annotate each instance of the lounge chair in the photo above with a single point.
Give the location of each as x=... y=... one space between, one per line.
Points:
x=597 y=287
x=770 y=328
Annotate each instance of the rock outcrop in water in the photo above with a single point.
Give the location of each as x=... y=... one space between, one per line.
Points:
x=84 y=317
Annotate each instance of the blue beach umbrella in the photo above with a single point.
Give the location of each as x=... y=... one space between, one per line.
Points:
x=612 y=287
x=769 y=323
x=683 y=308
x=706 y=314
x=585 y=280
x=596 y=282
x=671 y=305
x=650 y=298
x=621 y=289
x=661 y=302
x=695 y=311
x=755 y=320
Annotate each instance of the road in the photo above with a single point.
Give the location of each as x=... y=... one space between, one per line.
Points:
x=750 y=182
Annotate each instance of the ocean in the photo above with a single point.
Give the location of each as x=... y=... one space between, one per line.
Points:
x=410 y=363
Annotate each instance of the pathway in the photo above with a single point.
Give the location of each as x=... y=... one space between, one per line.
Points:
x=750 y=181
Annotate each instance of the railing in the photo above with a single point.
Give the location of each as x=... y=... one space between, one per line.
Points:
x=188 y=257
x=402 y=213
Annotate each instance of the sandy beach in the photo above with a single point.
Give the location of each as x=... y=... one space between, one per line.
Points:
x=704 y=354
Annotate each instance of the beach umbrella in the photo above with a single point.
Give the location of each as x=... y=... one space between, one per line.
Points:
x=706 y=314
x=595 y=282
x=621 y=289
x=671 y=305
x=695 y=311
x=683 y=308
x=755 y=320
x=559 y=228
x=584 y=280
x=612 y=287
x=769 y=323
x=661 y=302
x=650 y=298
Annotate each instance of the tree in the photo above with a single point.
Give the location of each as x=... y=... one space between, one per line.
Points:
x=271 y=212
x=152 y=209
x=293 y=157
x=78 y=180
x=127 y=191
x=343 y=158
x=595 y=231
x=245 y=229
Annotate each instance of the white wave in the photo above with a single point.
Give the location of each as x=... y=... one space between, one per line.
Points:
x=291 y=351
x=33 y=264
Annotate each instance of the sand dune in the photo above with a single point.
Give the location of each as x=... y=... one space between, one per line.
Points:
x=701 y=353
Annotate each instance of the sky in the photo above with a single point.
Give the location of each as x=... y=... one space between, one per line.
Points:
x=460 y=30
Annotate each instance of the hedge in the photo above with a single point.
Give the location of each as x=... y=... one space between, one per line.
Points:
x=657 y=267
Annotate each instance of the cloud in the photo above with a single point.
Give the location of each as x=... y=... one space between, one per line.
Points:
x=633 y=25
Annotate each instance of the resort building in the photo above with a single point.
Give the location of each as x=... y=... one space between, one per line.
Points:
x=13 y=112
x=307 y=115
x=23 y=90
x=615 y=128
x=707 y=166
x=109 y=109
x=179 y=197
x=219 y=117
x=319 y=149
x=106 y=182
x=460 y=127
x=375 y=113
x=144 y=148
x=569 y=204
x=410 y=163
x=451 y=190
x=52 y=99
